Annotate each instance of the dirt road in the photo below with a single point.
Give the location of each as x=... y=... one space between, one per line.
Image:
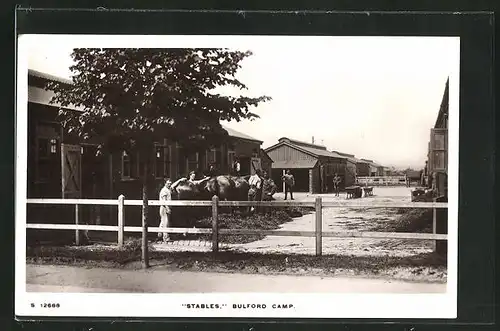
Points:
x=334 y=219
x=48 y=278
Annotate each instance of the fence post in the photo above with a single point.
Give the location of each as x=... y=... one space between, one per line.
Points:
x=434 y=226
x=121 y=218
x=77 y=221
x=215 y=224
x=319 y=225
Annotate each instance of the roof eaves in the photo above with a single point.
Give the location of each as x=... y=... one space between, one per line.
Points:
x=43 y=75
x=444 y=103
x=305 y=143
x=240 y=135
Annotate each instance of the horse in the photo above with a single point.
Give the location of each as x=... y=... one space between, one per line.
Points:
x=225 y=187
x=228 y=188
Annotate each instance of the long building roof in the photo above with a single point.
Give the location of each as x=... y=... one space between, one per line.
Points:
x=39 y=74
x=42 y=96
x=237 y=134
x=443 y=109
x=316 y=150
x=350 y=157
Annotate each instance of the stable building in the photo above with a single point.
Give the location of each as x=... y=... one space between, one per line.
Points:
x=437 y=156
x=351 y=171
x=436 y=170
x=369 y=168
x=363 y=168
x=312 y=165
x=62 y=166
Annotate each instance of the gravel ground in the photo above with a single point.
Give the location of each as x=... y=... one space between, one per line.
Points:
x=334 y=219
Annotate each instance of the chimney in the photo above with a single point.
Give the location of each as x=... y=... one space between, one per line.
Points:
x=313 y=139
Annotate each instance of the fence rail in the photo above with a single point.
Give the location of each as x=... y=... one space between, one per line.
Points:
x=198 y=203
x=382 y=180
x=318 y=232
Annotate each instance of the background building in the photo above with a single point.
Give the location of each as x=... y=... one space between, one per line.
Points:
x=437 y=158
x=312 y=165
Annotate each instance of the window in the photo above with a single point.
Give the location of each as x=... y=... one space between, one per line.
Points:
x=215 y=157
x=192 y=160
x=162 y=161
x=439 y=140
x=438 y=150
x=130 y=165
x=212 y=156
x=230 y=158
x=218 y=158
x=439 y=160
x=125 y=165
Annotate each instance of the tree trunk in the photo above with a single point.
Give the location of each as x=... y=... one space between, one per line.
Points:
x=145 y=253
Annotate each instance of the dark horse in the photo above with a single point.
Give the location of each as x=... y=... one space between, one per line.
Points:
x=227 y=188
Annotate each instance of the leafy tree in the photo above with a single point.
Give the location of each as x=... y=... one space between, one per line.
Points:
x=134 y=97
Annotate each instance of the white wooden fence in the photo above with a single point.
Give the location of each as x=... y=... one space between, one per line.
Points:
x=317 y=232
x=382 y=180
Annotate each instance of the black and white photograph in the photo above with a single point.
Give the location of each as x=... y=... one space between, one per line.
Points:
x=237 y=176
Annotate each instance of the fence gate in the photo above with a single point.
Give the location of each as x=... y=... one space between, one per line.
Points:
x=71 y=171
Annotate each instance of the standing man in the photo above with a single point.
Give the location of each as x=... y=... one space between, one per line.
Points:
x=212 y=172
x=336 y=184
x=166 y=211
x=289 y=181
x=268 y=188
x=254 y=193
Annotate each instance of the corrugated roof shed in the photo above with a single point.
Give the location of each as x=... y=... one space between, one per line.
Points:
x=350 y=157
x=317 y=150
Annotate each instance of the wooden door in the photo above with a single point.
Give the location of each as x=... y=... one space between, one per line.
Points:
x=71 y=171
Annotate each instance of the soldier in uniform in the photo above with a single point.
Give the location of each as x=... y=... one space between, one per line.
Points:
x=268 y=189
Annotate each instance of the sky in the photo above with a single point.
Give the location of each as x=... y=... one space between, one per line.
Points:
x=374 y=97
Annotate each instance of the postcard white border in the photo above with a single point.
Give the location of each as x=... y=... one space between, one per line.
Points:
x=169 y=305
